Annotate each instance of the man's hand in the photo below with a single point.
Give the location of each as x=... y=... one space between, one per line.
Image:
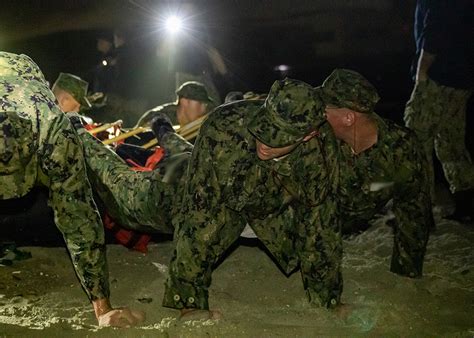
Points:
x=121 y=317
x=76 y=121
x=161 y=125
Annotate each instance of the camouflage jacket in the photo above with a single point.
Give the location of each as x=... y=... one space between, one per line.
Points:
x=393 y=168
x=168 y=108
x=289 y=203
x=54 y=158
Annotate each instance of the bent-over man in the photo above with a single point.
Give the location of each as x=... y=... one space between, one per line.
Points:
x=280 y=169
x=38 y=146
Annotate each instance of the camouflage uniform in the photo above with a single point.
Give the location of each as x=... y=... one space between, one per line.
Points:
x=295 y=205
x=436 y=111
x=190 y=90
x=143 y=201
x=393 y=168
x=437 y=114
x=289 y=203
x=38 y=145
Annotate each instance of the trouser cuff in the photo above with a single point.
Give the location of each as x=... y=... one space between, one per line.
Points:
x=182 y=295
x=326 y=299
x=409 y=268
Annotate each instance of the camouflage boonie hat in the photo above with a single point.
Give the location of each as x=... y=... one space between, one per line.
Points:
x=346 y=88
x=194 y=90
x=292 y=110
x=17 y=158
x=75 y=86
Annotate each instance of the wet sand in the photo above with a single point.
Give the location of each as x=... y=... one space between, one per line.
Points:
x=40 y=297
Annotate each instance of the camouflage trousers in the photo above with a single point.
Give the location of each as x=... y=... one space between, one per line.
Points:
x=197 y=251
x=137 y=200
x=437 y=114
x=202 y=238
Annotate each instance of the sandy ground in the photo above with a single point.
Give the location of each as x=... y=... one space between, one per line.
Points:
x=40 y=297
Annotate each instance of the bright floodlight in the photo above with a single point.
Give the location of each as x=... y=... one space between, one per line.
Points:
x=174 y=24
x=282 y=68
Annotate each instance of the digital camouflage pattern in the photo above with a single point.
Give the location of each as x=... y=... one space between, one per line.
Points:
x=142 y=201
x=288 y=203
x=75 y=86
x=296 y=205
x=18 y=161
x=287 y=115
x=175 y=144
x=169 y=109
x=349 y=89
x=437 y=114
x=39 y=146
x=394 y=168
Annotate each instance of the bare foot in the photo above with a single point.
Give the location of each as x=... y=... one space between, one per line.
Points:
x=198 y=314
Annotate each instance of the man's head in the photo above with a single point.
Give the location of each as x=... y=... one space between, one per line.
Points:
x=349 y=97
x=290 y=115
x=105 y=42
x=346 y=88
x=192 y=102
x=71 y=92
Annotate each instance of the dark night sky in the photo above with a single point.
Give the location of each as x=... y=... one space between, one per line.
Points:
x=312 y=36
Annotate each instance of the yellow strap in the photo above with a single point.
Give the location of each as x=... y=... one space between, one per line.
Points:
x=188 y=132
x=125 y=135
x=104 y=127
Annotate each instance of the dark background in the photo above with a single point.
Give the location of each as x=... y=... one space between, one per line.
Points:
x=313 y=37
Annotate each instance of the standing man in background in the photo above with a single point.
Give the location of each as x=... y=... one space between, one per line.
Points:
x=191 y=103
x=444 y=78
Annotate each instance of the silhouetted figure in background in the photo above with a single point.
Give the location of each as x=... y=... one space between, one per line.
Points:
x=103 y=73
x=444 y=79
